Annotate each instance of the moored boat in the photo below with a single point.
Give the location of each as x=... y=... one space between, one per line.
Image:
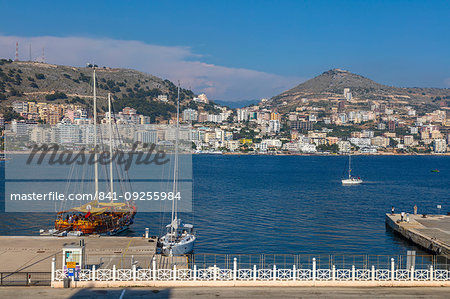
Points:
x=351 y=180
x=179 y=238
x=97 y=217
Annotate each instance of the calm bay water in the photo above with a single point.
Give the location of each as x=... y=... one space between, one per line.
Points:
x=293 y=204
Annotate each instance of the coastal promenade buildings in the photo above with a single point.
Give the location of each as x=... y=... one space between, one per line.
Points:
x=375 y=127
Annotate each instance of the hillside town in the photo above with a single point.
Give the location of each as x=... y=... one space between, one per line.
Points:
x=331 y=126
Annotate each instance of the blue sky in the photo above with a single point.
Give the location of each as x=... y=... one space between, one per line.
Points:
x=239 y=50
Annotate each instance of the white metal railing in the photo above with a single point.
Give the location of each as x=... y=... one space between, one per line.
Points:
x=275 y=274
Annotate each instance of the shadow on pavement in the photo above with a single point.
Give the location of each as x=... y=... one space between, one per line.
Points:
x=122 y=293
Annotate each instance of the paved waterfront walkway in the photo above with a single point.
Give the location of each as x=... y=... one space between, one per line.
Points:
x=432 y=232
x=436 y=227
x=246 y=293
x=34 y=253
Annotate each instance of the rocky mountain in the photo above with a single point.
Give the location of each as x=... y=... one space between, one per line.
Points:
x=331 y=85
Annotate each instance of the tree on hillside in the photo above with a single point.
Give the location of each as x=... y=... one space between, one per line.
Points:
x=57 y=95
x=153 y=109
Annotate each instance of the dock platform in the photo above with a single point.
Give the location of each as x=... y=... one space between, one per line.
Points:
x=35 y=253
x=431 y=233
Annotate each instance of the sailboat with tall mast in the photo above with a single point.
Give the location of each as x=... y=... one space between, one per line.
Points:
x=97 y=216
x=179 y=237
x=351 y=180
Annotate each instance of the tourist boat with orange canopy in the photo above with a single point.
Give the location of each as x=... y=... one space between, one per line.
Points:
x=96 y=217
x=102 y=218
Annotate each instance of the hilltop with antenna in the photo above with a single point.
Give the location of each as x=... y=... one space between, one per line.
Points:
x=37 y=81
x=30 y=58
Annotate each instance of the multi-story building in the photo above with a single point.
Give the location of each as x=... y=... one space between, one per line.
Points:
x=215 y=118
x=274 y=126
x=392 y=125
x=190 y=115
x=341 y=105
x=436 y=134
x=242 y=115
x=272 y=143
x=32 y=107
x=413 y=130
x=344 y=146
x=332 y=140
x=380 y=141
x=347 y=94
x=408 y=140
x=146 y=136
x=68 y=132
x=20 y=106
x=291 y=146
x=202 y=117
x=360 y=142
x=439 y=146
x=275 y=116
x=307 y=148
x=301 y=125
x=19 y=127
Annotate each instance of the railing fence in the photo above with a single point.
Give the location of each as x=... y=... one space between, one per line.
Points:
x=25 y=278
x=272 y=267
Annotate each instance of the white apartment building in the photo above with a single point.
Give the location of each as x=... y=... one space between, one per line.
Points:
x=242 y=115
x=360 y=142
x=232 y=145
x=190 y=115
x=439 y=146
x=344 y=146
x=146 y=136
x=19 y=127
x=68 y=132
x=215 y=118
x=274 y=126
x=20 y=107
x=272 y=143
x=307 y=148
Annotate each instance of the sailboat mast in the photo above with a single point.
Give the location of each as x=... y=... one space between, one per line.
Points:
x=349 y=166
x=111 y=180
x=175 y=167
x=177 y=132
x=95 y=140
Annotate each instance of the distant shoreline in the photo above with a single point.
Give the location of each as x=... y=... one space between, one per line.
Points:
x=284 y=154
x=324 y=154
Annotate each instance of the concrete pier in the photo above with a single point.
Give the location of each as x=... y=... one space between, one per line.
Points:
x=432 y=233
x=35 y=253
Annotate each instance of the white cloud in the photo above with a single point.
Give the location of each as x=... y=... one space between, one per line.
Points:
x=173 y=63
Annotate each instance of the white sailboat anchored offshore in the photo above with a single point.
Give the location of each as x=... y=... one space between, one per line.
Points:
x=351 y=180
x=179 y=238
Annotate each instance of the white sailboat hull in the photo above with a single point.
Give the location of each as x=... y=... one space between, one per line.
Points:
x=350 y=182
x=180 y=238
x=179 y=248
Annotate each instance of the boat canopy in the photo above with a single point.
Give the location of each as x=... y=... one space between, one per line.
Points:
x=96 y=207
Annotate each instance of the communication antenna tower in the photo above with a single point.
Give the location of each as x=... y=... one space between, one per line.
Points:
x=17 y=52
